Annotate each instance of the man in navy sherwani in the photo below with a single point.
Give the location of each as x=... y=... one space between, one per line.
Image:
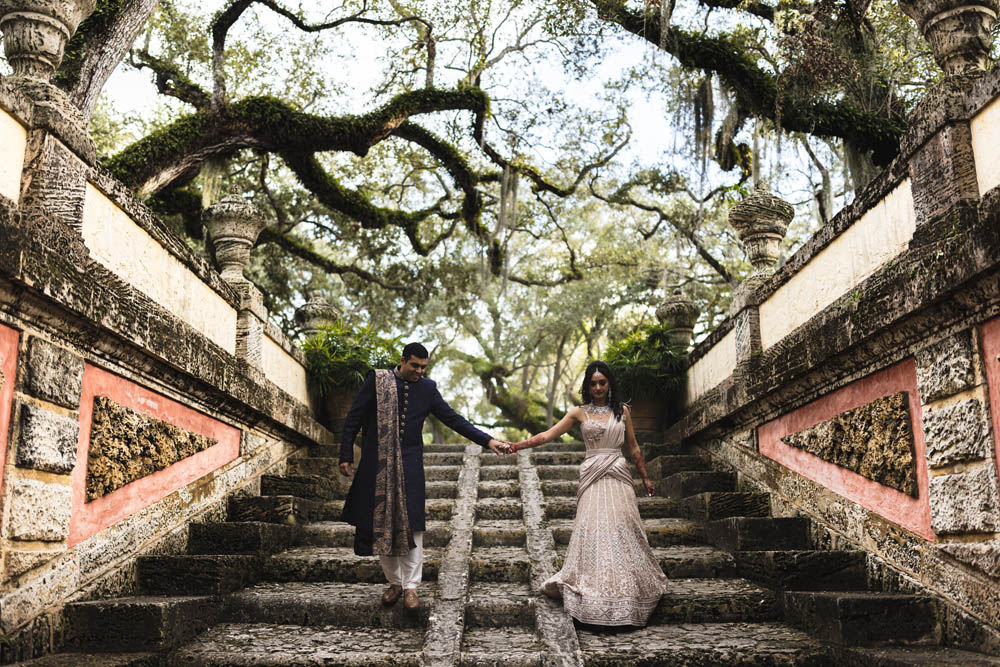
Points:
x=395 y=533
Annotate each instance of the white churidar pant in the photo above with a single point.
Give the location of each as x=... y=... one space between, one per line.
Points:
x=408 y=570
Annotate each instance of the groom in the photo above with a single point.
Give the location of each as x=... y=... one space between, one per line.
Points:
x=386 y=501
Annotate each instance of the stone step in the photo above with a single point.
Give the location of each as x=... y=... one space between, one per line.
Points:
x=512 y=646
x=721 y=505
x=498 y=472
x=805 y=570
x=241 y=537
x=716 y=601
x=445 y=489
x=432 y=459
x=508 y=564
x=196 y=574
x=864 y=618
x=289 y=510
x=649 y=508
x=490 y=459
x=436 y=509
x=561 y=447
x=96 y=660
x=684 y=484
x=742 y=533
x=442 y=473
x=690 y=644
x=496 y=604
x=663 y=466
x=920 y=656
x=568 y=488
x=356 y=605
x=444 y=448
x=253 y=644
x=659 y=532
x=337 y=564
x=557 y=458
x=325 y=452
x=490 y=509
x=143 y=623
x=498 y=534
x=311 y=487
x=340 y=534
x=652 y=450
x=326 y=467
x=562 y=472
x=500 y=489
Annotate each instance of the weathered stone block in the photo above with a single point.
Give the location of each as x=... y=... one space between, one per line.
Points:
x=19 y=562
x=53 y=373
x=946 y=368
x=46 y=441
x=965 y=502
x=39 y=510
x=983 y=556
x=957 y=433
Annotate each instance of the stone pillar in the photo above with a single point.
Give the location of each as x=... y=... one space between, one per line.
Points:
x=760 y=220
x=59 y=149
x=316 y=312
x=234 y=225
x=938 y=143
x=964 y=494
x=45 y=436
x=678 y=314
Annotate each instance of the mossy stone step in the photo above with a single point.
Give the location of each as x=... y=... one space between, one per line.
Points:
x=435 y=509
x=497 y=473
x=196 y=574
x=714 y=505
x=652 y=450
x=442 y=473
x=664 y=466
x=759 y=533
x=561 y=447
x=715 y=600
x=337 y=564
x=557 y=458
x=562 y=472
x=857 y=618
x=356 y=605
x=326 y=467
x=325 y=451
x=490 y=459
x=143 y=623
x=906 y=656
x=689 y=483
x=510 y=564
x=499 y=534
x=288 y=510
x=340 y=534
x=96 y=660
x=241 y=537
x=489 y=509
x=254 y=644
x=512 y=646
x=311 y=487
x=805 y=570
x=444 y=448
x=443 y=489
x=703 y=644
x=497 y=604
x=443 y=459
x=501 y=489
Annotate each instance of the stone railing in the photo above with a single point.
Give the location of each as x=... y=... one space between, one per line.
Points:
x=859 y=384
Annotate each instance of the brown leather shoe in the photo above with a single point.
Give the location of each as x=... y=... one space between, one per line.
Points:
x=410 y=599
x=391 y=594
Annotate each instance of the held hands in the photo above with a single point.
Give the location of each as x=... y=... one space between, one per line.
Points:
x=499 y=447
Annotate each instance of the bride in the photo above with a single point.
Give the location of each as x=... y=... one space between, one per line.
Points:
x=610 y=575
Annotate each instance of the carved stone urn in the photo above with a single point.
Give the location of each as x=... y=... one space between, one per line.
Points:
x=761 y=221
x=234 y=224
x=958 y=31
x=315 y=312
x=678 y=314
x=35 y=33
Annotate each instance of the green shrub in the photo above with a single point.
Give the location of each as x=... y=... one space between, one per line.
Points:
x=338 y=357
x=646 y=364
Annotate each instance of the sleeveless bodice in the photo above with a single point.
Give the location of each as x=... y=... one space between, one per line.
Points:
x=606 y=435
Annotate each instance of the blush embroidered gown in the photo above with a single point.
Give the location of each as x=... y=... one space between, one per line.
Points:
x=610 y=575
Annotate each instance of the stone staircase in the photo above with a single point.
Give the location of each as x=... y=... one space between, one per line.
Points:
x=279 y=583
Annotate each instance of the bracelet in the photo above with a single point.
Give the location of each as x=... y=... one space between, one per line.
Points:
x=514 y=445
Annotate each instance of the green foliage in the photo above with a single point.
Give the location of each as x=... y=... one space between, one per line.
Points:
x=646 y=364
x=340 y=357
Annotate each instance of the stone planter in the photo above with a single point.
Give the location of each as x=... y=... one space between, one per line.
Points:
x=647 y=414
x=234 y=224
x=678 y=314
x=336 y=405
x=35 y=33
x=315 y=313
x=761 y=220
x=958 y=32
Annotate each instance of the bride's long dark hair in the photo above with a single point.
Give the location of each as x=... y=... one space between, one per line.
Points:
x=614 y=397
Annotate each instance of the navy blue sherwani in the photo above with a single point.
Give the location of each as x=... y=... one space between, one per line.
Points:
x=416 y=401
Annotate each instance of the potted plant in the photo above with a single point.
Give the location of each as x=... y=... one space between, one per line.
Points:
x=649 y=367
x=337 y=360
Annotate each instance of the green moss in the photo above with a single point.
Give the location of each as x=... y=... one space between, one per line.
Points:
x=94 y=27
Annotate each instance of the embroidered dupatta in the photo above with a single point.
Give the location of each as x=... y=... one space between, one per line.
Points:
x=391 y=531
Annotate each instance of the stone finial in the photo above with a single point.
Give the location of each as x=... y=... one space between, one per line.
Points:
x=315 y=312
x=678 y=314
x=35 y=33
x=234 y=225
x=959 y=32
x=761 y=221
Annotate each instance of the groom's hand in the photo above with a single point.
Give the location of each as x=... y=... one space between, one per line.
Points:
x=497 y=447
x=346 y=468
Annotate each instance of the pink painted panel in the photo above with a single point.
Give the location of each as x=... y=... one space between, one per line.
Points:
x=91 y=518
x=8 y=366
x=990 y=334
x=911 y=513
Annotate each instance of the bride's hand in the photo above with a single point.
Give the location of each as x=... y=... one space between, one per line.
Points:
x=650 y=489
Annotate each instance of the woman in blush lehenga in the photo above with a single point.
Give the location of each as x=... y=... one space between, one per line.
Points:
x=610 y=575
